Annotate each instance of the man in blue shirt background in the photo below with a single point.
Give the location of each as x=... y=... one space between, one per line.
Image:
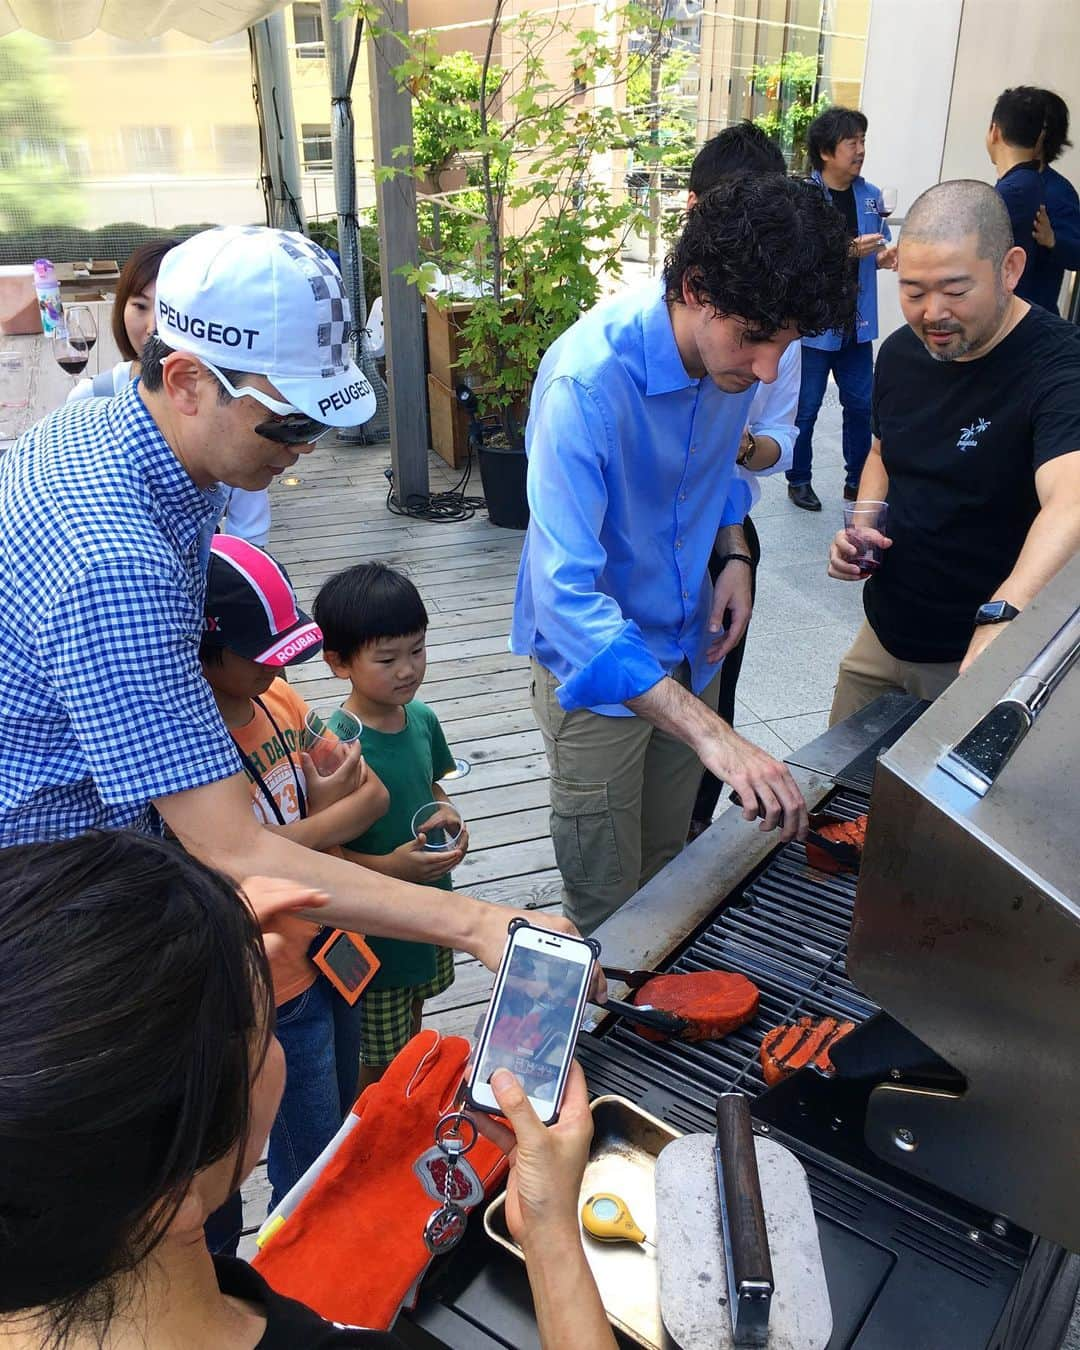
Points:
x=636 y=418
x=836 y=143
x=1016 y=126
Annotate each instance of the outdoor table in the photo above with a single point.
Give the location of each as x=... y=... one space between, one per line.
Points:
x=47 y=385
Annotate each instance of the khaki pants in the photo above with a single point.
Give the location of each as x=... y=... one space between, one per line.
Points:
x=621 y=797
x=868 y=670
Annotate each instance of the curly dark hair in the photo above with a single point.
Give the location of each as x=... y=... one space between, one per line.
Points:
x=769 y=250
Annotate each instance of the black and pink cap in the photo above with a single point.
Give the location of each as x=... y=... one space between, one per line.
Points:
x=251 y=606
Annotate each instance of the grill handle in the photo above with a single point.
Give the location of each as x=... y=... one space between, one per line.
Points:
x=978 y=758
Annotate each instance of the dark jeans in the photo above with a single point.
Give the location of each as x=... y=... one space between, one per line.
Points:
x=320 y=1035
x=709 y=791
x=853 y=366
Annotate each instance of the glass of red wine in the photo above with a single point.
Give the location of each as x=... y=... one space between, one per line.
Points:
x=71 y=353
x=81 y=317
x=886 y=202
x=864 y=521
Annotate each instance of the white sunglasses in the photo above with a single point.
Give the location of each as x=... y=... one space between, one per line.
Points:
x=296 y=427
x=275 y=405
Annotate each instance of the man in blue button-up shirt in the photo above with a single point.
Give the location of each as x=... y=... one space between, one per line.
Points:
x=635 y=422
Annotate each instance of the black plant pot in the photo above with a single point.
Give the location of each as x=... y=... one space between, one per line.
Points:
x=502 y=472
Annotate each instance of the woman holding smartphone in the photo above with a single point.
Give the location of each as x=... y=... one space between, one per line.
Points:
x=139 y=1075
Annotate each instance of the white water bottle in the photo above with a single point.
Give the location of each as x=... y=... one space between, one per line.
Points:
x=48 y=294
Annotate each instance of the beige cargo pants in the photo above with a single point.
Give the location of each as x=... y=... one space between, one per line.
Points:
x=867 y=670
x=621 y=797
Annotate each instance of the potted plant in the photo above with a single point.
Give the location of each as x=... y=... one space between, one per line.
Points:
x=541 y=231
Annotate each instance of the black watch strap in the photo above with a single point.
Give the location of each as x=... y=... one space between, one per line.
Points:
x=725 y=558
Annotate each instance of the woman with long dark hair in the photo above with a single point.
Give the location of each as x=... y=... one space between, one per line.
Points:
x=139 y=1076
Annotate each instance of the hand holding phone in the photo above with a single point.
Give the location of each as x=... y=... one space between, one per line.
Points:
x=546 y=1163
x=533 y=1019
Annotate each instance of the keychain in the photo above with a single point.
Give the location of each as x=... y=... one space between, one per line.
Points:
x=455 y=1134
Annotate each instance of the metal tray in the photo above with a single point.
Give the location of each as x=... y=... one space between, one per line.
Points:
x=622 y=1160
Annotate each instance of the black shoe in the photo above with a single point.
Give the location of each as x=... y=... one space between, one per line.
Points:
x=803 y=495
x=851 y=494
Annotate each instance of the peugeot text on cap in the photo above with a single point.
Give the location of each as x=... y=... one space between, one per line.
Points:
x=251 y=606
x=268 y=302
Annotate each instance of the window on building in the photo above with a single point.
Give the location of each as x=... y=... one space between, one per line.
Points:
x=307 y=30
x=149 y=149
x=315 y=144
x=237 y=147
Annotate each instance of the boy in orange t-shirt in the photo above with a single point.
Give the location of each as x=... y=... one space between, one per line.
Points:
x=253 y=629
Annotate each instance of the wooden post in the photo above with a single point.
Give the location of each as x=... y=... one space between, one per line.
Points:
x=391 y=120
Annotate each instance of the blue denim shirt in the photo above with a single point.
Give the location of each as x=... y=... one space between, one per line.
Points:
x=630 y=476
x=871 y=221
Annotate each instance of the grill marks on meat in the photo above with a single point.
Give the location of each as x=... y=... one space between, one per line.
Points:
x=841 y=832
x=807 y=1041
x=713 y=1002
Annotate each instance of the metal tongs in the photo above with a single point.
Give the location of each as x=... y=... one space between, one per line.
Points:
x=845 y=854
x=667 y=1024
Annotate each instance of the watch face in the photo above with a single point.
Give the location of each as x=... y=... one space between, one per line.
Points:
x=994 y=611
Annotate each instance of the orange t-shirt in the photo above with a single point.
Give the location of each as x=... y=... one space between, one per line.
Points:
x=262 y=747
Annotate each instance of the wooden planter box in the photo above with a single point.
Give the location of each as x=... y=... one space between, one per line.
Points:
x=449 y=424
x=444 y=339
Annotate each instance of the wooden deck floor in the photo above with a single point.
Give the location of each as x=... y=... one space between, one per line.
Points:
x=336 y=516
x=465 y=572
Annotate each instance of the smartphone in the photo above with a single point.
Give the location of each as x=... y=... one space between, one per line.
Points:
x=534 y=1017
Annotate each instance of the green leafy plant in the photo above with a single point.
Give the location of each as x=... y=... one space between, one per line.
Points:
x=547 y=230
x=789 y=84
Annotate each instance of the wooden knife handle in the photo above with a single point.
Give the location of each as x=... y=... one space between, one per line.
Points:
x=748 y=1258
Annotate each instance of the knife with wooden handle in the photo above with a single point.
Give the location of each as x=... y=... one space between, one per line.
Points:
x=746 y=1241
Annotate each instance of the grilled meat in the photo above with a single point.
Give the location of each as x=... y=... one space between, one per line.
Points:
x=807 y=1041
x=713 y=1002
x=843 y=832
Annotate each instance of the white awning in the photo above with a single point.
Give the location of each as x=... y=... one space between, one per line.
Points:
x=66 y=20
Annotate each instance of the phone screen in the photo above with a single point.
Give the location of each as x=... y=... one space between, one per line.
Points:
x=535 y=1021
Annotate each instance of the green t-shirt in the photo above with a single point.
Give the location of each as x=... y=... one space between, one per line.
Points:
x=409 y=762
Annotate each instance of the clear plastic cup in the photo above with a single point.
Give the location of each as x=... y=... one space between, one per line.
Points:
x=440 y=823
x=859 y=518
x=327 y=739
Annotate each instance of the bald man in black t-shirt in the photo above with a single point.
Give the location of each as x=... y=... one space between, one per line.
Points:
x=976 y=450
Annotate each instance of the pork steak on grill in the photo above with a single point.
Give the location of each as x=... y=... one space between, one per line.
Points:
x=713 y=1002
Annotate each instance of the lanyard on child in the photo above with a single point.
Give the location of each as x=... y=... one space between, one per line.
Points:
x=260 y=782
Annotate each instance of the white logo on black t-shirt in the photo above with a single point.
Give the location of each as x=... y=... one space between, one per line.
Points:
x=969 y=437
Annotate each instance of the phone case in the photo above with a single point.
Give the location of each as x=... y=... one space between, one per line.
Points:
x=512 y=928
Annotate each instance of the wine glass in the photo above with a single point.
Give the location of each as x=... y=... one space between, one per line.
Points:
x=886 y=202
x=14 y=395
x=81 y=317
x=70 y=351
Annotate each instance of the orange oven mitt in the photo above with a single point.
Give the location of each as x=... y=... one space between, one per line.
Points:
x=353 y=1247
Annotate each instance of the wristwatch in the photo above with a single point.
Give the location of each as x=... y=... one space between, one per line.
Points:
x=995 y=611
x=750 y=451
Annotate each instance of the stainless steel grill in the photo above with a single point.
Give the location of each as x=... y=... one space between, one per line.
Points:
x=787 y=931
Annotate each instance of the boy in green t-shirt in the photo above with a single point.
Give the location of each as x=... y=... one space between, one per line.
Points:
x=374 y=627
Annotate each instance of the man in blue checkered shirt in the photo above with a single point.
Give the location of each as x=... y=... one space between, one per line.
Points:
x=106 y=512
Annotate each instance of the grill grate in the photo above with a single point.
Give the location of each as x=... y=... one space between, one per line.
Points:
x=787 y=932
